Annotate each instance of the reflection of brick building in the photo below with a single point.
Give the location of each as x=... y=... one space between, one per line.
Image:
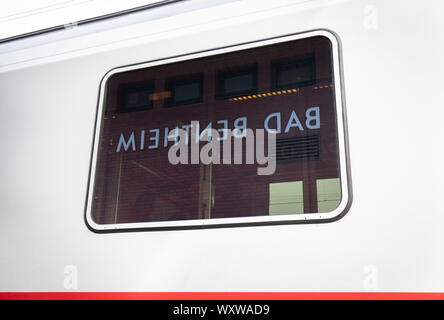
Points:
x=141 y=185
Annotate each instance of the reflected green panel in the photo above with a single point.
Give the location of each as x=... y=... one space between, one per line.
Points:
x=329 y=194
x=286 y=198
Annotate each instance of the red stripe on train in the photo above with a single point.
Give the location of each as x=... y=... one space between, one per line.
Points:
x=222 y=296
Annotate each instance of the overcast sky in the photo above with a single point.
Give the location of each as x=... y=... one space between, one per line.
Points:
x=22 y=16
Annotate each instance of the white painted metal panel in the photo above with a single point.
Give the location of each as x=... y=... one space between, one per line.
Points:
x=390 y=240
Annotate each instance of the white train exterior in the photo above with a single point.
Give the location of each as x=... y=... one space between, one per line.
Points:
x=389 y=236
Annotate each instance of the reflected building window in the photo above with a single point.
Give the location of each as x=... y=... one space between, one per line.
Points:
x=185 y=90
x=236 y=82
x=286 y=198
x=293 y=72
x=136 y=96
x=329 y=194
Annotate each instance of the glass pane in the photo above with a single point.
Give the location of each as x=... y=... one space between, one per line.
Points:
x=137 y=181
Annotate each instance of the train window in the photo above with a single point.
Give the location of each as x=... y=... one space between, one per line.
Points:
x=262 y=144
x=185 y=90
x=235 y=82
x=294 y=72
x=136 y=96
